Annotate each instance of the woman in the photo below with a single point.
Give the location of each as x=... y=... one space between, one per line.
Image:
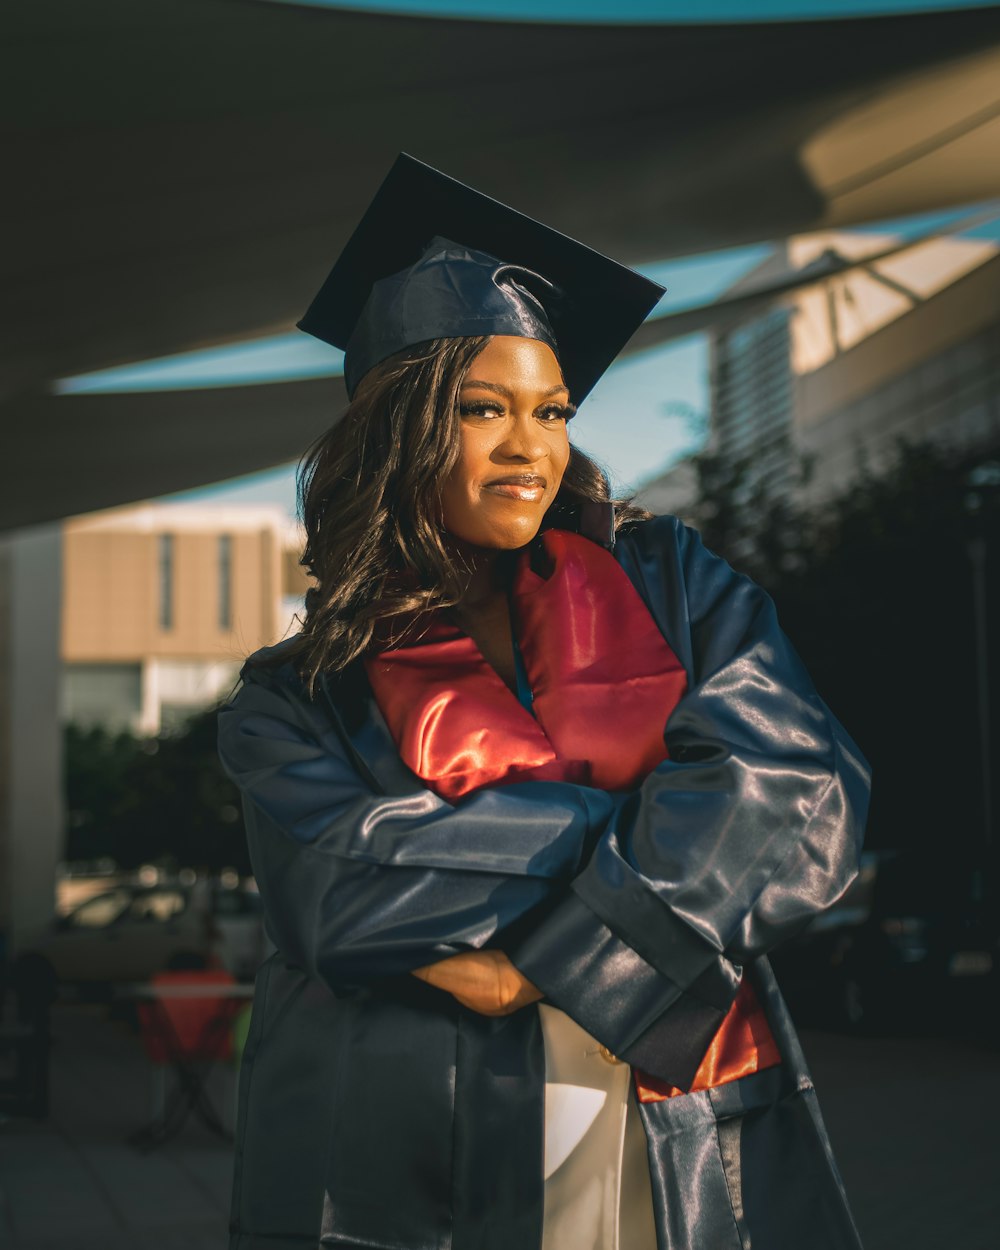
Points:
x=528 y=799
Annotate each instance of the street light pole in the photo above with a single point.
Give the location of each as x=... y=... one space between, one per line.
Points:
x=983 y=481
x=977 y=554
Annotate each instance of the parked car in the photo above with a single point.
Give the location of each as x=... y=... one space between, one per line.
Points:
x=130 y=929
x=908 y=945
x=123 y=934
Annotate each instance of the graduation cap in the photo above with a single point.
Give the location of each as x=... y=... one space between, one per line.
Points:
x=433 y=258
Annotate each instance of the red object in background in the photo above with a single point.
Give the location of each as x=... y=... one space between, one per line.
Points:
x=196 y=1027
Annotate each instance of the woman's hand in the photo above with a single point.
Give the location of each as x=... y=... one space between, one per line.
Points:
x=485 y=981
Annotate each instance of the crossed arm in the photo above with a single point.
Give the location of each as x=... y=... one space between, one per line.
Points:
x=633 y=913
x=484 y=981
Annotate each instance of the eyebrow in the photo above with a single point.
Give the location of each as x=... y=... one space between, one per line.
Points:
x=500 y=389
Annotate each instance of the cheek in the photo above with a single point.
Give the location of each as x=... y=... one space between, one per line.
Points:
x=458 y=495
x=460 y=483
x=560 y=458
x=467 y=514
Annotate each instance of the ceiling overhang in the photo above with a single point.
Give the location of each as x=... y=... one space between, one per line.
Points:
x=185 y=171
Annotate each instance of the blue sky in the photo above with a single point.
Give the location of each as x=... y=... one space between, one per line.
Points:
x=646 y=11
x=640 y=418
x=634 y=421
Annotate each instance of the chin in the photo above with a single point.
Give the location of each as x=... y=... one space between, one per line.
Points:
x=498 y=537
x=506 y=539
x=511 y=542
x=499 y=529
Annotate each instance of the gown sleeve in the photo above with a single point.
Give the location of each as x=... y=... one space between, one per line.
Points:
x=358 y=884
x=751 y=826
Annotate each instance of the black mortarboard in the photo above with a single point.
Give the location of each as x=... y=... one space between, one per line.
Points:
x=432 y=258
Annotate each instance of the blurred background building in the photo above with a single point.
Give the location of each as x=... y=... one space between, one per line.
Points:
x=837 y=373
x=161 y=603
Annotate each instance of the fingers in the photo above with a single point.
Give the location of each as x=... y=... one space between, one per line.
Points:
x=484 y=981
x=499 y=983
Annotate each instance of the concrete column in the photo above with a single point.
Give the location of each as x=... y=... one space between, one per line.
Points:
x=149 y=716
x=32 y=804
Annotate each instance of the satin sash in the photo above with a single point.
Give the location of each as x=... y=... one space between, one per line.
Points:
x=604 y=682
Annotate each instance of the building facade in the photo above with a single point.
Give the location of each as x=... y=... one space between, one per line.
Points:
x=931 y=373
x=162 y=602
x=836 y=374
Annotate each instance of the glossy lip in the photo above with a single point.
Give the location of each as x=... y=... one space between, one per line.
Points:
x=525 y=487
x=517 y=479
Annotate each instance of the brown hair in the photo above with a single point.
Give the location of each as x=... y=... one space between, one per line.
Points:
x=369 y=497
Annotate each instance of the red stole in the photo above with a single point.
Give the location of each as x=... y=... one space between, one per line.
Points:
x=604 y=682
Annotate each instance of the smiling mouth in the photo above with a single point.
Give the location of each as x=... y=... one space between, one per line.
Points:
x=525 y=486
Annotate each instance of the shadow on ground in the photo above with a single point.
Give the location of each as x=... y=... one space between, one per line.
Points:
x=909 y=1118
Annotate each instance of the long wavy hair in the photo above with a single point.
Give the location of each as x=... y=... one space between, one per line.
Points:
x=369 y=494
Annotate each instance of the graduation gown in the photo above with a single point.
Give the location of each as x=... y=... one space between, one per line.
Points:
x=375 y=1111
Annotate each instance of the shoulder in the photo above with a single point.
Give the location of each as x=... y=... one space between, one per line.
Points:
x=270 y=702
x=655 y=531
x=656 y=550
x=273 y=668
x=700 y=602
x=271 y=674
x=665 y=548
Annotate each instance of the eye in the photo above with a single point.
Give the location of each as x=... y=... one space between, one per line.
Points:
x=480 y=408
x=557 y=412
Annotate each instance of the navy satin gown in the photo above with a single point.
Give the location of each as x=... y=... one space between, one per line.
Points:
x=376 y=1112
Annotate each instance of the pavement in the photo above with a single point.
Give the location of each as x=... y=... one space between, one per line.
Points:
x=909 y=1117
x=912 y=1124
x=74 y=1181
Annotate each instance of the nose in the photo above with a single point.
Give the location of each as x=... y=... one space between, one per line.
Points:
x=523 y=440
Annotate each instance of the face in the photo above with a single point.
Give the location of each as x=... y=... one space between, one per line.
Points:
x=514 y=446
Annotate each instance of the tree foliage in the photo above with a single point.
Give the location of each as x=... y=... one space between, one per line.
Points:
x=875 y=588
x=153 y=799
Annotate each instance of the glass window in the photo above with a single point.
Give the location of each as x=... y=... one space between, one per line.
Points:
x=225 y=581
x=102 y=694
x=165 y=561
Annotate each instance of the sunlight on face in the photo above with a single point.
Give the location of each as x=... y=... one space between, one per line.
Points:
x=514 y=444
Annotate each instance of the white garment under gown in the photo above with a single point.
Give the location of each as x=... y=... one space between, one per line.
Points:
x=597 y=1187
